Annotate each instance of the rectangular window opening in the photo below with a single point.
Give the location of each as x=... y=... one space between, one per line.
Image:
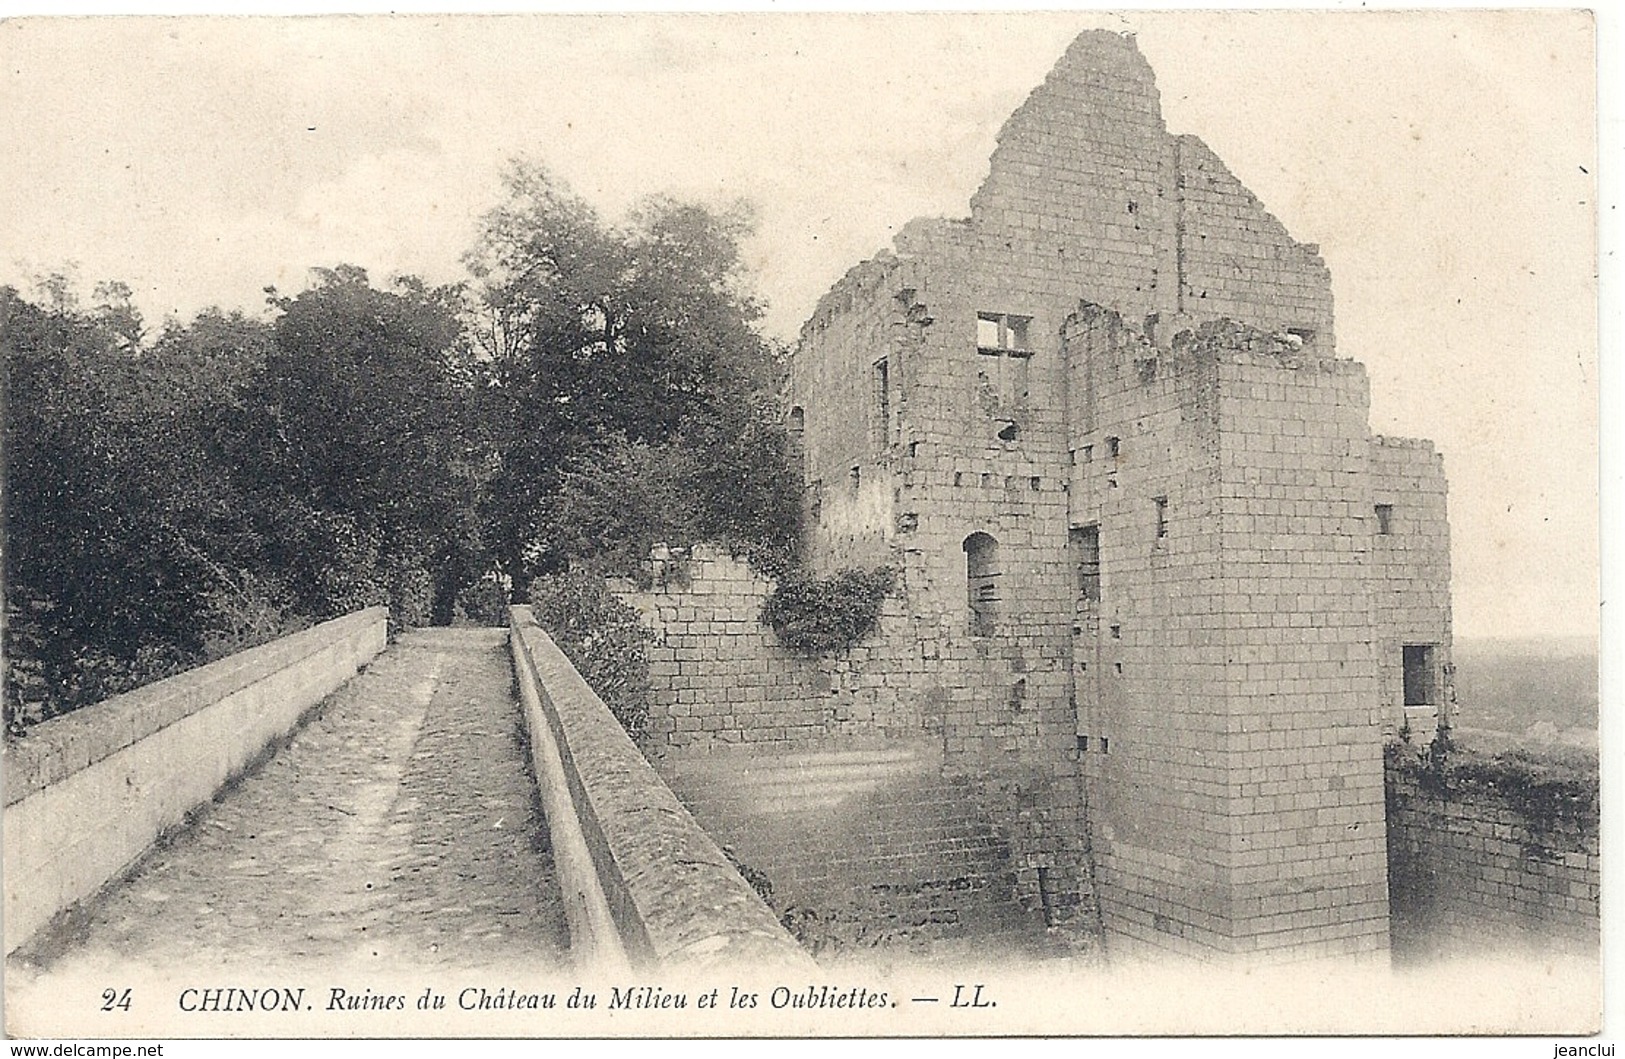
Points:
x=1162 y=516
x=987 y=330
x=1421 y=675
x=1385 y=519
x=1003 y=333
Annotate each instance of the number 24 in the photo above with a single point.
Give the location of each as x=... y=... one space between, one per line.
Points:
x=113 y=998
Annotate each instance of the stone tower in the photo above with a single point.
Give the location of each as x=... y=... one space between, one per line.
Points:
x=1164 y=589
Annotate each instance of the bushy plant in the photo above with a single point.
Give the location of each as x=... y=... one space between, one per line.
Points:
x=823 y=616
x=603 y=638
x=411 y=597
x=485 y=602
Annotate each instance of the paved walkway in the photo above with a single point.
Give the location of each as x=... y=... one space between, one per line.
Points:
x=399 y=828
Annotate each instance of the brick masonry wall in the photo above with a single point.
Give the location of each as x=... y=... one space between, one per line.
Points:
x=1040 y=378
x=1224 y=680
x=1148 y=665
x=1306 y=744
x=1237 y=261
x=1470 y=870
x=722 y=679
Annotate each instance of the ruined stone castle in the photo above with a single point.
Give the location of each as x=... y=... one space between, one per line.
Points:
x=1161 y=589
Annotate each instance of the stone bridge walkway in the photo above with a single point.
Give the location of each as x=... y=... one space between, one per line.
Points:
x=398 y=828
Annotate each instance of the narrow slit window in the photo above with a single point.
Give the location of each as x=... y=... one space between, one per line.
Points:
x=1162 y=516
x=1086 y=553
x=1385 y=519
x=882 y=403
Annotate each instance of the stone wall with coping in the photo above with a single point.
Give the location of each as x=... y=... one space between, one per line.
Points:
x=86 y=793
x=675 y=898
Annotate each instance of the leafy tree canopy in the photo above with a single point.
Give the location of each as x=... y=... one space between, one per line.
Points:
x=175 y=495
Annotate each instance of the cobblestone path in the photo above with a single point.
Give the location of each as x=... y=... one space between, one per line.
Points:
x=398 y=828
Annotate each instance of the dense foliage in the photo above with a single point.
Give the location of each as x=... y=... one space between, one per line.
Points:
x=829 y=615
x=627 y=386
x=172 y=497
x=603 y=638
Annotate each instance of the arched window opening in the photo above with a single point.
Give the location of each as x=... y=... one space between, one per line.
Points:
x=982 y=583
x=798 y=422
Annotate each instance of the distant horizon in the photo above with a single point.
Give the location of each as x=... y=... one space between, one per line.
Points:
x=1574 y=639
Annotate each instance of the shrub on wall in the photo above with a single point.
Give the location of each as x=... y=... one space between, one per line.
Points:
x=485 y=602
x=822 y=616
x=603 y=638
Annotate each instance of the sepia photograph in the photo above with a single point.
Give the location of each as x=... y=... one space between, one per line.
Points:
x=860 y=525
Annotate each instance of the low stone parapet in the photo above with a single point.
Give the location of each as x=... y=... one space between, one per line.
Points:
x=643 y=884
x=86 y=793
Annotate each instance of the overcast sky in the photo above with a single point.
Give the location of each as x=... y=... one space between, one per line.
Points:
x=1442 y=161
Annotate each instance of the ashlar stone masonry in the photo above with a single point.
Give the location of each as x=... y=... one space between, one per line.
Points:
x=1147 y=537
x=1161 y=590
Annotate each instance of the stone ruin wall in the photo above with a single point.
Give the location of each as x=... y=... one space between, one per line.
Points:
x=1241 y=660
x=1411 y=576
x=828 y=774
x=1473 y=870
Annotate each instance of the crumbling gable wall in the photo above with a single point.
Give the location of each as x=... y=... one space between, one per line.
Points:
x=1235 y=260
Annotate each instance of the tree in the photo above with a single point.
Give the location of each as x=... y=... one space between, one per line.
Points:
x=629 y=354
x=365 y=428
x=112 y=491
